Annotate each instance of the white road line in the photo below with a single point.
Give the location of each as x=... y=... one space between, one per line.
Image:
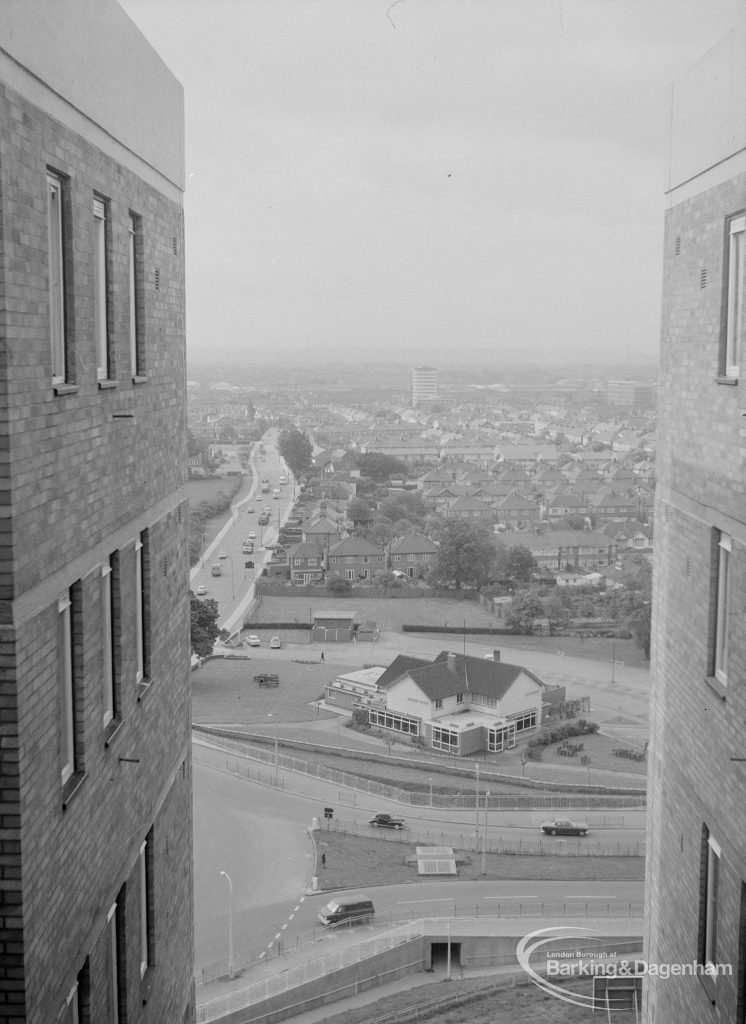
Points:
x=284 y=926
x=291 y=917
x=442 y=899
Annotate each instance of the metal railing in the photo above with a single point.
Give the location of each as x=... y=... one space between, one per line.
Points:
x=531 y=800
x=311 y=970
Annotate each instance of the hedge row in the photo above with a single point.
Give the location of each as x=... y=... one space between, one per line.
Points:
x=276 y=625
x=471 y=630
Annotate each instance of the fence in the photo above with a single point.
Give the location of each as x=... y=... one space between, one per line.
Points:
x=467 y=841
x=532 y=800
x=357 y=593
x=310 y=971
x=511 y=909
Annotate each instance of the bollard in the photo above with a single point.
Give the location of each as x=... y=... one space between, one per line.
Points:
x=315 y=883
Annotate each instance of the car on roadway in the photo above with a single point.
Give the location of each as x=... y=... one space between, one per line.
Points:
x=254 y=640
x=223 y=554
x=387 y=821
x=201 y=590
x=252 y=535
x=564 y=827
x=250 y=510
x=275 y=643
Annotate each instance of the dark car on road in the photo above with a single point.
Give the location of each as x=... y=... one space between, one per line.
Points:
x=564 y=827
x=387 y=821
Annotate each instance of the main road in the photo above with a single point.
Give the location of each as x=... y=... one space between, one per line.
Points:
x=259 y=836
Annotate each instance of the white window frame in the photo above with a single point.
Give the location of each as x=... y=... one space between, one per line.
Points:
x=721 y=608
x=111 y=921
x=107 y=644
x=144 y=918
x=134 y=311
x=139 y=611
x=56 y=265
x=64 y=620
x=100 y=295
x=734 y=310
x=712 y=885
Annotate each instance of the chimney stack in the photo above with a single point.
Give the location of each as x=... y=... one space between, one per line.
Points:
x=451 y=662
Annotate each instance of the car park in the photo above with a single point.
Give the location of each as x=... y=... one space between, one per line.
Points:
x=201 y=590
x=254 y=640
x=387 y=821
x=275 y=643
x=564 y=827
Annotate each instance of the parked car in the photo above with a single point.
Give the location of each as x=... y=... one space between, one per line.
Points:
x=564 y=827
x=252 y=535
x=223 y=554
x=275 y=642
x=250 y=510
x=254 y=640
x=201 y=590
x=387 y=821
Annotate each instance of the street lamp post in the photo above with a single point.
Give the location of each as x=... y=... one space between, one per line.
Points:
x=430 y=780
x=277 y=740
x=230 y=922
x=476 y=827
x=484 y=840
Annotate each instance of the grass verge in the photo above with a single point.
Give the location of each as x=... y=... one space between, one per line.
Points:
x=357 y=862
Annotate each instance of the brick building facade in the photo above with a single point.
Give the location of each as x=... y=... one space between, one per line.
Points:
x=696 y=863
x=95 y=803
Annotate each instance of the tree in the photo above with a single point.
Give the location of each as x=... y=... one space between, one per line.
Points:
x=525 y=609
x=296 y=450
x=639 y=626
x=380 y=467
x=407 y=505
x=515 y=565
x=338 y=586
x=464 y=557
x=205 y=629
x=556 y=611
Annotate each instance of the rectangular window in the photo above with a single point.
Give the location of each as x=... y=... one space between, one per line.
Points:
x=116 y=988
x=100 y=291
x=439 y=703
x=142 y=607
x=721 y=607
x=67 y=689
x=107 y=644
x=135 y=242
x=709 y=907
x=56 y=259
x=145 y=865
x=735 y=288
x=350 y=574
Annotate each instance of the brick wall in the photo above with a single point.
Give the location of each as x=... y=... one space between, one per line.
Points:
x=697 y=727
x=85 y=472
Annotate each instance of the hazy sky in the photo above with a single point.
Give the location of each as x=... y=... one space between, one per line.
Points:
x=440 y=180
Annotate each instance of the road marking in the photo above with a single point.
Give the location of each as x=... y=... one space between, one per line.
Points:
x=278 y=936
x=291 y=917
x=284 y=926
x=442 y=899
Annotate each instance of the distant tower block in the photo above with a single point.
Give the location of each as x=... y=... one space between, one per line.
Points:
x=424 y=384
